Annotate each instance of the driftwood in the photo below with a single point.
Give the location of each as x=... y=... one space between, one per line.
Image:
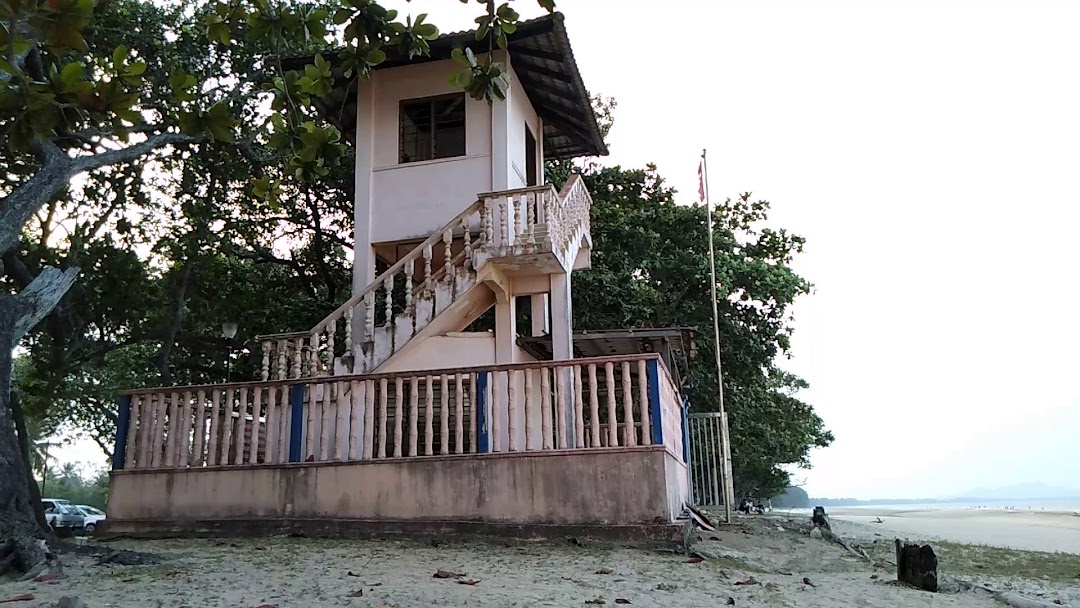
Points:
x=821 y=522
x=1015 y=600
x=700 y=518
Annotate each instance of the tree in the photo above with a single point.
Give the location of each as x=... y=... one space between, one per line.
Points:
x=65 y=111
x=793 y=497
x=650 y=269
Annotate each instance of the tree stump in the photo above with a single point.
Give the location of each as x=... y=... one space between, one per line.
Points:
x=820 y=519
x=917 y=566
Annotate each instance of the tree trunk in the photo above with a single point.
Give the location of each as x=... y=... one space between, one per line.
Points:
x=24 y=447
x=18 y=524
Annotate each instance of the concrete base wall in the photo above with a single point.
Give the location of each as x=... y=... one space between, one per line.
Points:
x=619 y=486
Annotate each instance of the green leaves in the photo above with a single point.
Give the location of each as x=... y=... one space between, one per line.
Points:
x=317 y=79
x=129 y=72
x=182 y=85
x=60 y=23
x=216 y=124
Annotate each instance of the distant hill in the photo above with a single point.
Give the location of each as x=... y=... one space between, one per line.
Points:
x=1017 y=492
x=1023 y=491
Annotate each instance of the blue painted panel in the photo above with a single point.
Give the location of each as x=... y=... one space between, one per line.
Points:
x=653 y=373
x=296 y=432
x=483 y=439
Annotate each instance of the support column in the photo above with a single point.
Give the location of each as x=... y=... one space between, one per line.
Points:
x=363 y=253
x=505 y=342
x=540 y=324
x=562 y=343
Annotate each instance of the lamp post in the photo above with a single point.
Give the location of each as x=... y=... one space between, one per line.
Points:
x=228 y=331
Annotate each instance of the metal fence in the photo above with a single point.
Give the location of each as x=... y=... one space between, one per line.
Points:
x=706 y=458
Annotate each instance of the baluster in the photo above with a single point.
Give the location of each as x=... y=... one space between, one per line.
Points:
x=594 y=408
x=313 y=413
x=146 y=421
x=613 y=426
x=388 y=286
x=133 y=432
x=369 y=417
x=560 y=405
x=170 y=443
x=241 y=426
x=444 y=415
x=226 y=427
x=159 y=430
x=511 y=409
x=414 y=415
x=427 y=268
x=183 y=443
x=530 y=208
x=579 y=410
x=506 y=227
x=349 y=314
x=369 y=316
x=326 y=421
x=517 y=221
x=399 y=414
x=472 y=412
x=545 y=411
x=272 y=425
x=459 y=411
x=215 y=427
x=530 y=410
x=331 y=329
x=199 y=430
x=313 y=354
x=487 y=231
x=297 y=354
x=448 y=253
x=265 y=375
x=629 y=432
x=356 y=405
x=383 y=386
x=410 y=269
x=429 y=417
x=643 y=403
x=256 y=413
x=467 y=237
x=282 y=355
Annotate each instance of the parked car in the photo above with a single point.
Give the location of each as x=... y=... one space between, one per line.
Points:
x=91 y=517
x=61 y=514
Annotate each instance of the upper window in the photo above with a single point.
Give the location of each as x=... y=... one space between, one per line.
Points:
x=432 y=128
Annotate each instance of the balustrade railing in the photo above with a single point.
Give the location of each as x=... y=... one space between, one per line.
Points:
x=595 y=403
x=407 y=296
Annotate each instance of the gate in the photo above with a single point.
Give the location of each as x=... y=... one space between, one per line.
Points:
x=706 y=458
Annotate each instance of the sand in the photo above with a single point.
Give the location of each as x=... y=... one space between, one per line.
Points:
x=287 y=572
x=1030 y=530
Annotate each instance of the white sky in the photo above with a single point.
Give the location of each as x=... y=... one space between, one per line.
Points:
x=929 y=151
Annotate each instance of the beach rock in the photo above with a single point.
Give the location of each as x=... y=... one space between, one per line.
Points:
x=70 y=602
x=815 y=533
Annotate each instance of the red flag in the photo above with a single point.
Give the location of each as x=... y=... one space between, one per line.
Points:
x=701 y=181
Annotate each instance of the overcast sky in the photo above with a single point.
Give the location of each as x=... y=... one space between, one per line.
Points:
x=929 y=152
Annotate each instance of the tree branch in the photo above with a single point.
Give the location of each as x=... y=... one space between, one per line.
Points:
x=56 y=172
x=40 y=297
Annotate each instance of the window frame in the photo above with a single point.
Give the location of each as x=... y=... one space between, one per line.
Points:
x=431 y=101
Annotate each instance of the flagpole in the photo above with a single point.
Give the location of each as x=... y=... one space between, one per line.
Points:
x=729 y=489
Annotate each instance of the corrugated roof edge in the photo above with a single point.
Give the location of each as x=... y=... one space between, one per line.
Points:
x=466 y=36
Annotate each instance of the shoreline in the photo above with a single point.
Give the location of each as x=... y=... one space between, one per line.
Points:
x=1046 y=531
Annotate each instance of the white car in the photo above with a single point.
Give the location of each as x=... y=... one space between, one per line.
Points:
x=91 y=517
x=61 y=514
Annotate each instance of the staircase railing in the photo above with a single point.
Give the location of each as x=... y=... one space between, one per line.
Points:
x=537 y=219
x=312 y=353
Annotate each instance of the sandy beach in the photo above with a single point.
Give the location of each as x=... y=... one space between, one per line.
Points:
x=1031 y=530
x=762 y=561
